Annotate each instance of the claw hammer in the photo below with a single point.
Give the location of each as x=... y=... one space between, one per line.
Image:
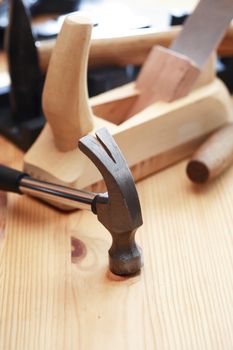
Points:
x=118 y=210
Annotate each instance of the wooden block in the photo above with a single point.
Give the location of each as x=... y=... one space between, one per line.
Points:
x=165 y=76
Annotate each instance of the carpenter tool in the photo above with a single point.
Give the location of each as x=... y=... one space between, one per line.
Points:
x=131 y=47
x=22 y=121
x=158 y=136
x=169 y=74
x=213 y=157
x=118 y=209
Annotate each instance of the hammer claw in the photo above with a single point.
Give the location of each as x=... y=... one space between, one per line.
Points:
x=110 y=146
x=96 y=151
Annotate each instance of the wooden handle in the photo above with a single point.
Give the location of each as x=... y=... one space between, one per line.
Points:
x=129 y=49
x=213 y=157
x=65 y=96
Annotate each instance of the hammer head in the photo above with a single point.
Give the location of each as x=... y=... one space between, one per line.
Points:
x=119 y=210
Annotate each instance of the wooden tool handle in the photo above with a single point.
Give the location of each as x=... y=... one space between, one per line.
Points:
x=132 y=48
x=213 y=157
x=65 y=96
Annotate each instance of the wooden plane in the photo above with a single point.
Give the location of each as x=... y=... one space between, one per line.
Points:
x=151 y=139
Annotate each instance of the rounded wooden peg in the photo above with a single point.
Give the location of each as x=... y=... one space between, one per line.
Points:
x=65 y=96
x=213 y=157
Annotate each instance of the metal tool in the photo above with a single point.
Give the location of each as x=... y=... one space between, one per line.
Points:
x=118 y=209
x=26 y=79
x=22 y=120
x=203 y=30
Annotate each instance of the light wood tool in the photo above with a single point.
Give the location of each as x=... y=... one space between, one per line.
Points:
x=158 y=136
x=213 y=157
x=131 y=48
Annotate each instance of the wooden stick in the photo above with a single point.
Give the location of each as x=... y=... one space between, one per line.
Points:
x=120 y=51
x=213 y=157
x=129 y=49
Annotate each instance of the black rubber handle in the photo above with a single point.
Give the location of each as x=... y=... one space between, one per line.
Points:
x=10 y=179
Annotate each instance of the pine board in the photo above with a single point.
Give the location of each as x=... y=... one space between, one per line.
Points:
x=183 y=298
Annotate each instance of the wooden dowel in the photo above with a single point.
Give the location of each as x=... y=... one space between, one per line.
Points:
x=121 y=51
x=129 y=49
x=213 y=157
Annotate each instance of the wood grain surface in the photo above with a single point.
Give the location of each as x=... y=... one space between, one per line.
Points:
x=55 y=292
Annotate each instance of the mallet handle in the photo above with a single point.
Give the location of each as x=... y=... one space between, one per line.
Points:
x=131 y=48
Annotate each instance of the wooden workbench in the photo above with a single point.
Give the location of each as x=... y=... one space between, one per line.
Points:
x=55 y=292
